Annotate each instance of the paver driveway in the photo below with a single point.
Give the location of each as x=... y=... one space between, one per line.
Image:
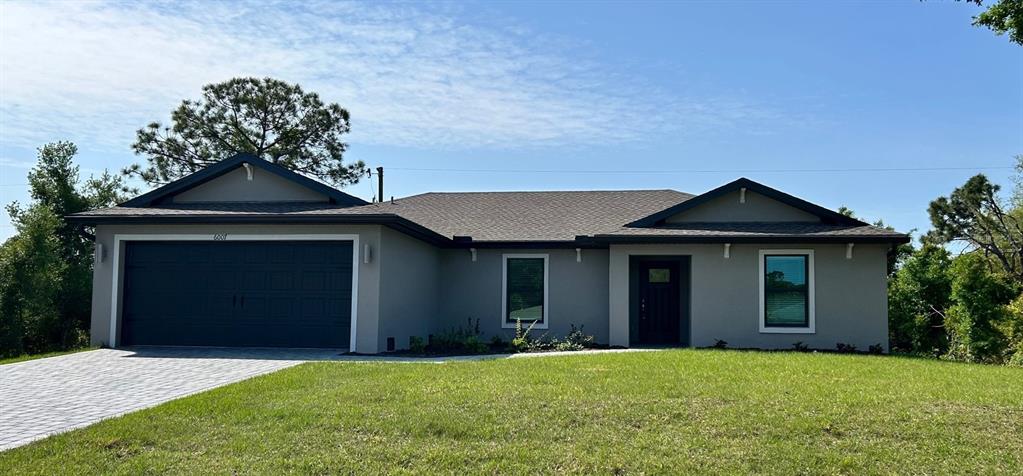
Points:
x=56 y=394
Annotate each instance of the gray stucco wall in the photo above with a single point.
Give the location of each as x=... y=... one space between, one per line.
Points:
x=577 y=291
x=235 y=186
x=758 y=208
x=851 y=295
x=412 y=288
x=410 y=283
x=369 y=276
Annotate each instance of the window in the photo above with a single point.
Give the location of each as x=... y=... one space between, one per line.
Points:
x=659 y=275
x=524 y=293
x=786 y=291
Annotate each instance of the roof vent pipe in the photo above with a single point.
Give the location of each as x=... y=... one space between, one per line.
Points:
x=380 y=183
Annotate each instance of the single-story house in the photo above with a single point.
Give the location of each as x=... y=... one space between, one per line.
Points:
x=248 y=253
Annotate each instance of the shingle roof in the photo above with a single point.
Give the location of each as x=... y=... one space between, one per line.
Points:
x=514 y=217
x=755 y=231
x=484 y=216
x=529 y=216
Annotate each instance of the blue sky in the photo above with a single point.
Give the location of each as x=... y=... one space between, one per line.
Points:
x=546 y=96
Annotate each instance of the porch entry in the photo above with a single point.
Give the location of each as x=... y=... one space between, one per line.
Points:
x=659 y=300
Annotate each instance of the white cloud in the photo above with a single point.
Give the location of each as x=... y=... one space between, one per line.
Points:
x=410 y=76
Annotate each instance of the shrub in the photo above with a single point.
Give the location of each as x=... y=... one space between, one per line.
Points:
x=459 y=340
x=521 y=341
x=800 y=347
x=845 y=348
x=720 y=344
x=1012 y=328
x=973 y=322
x=918 y=296
x=416 y=345
x=575 y=340
x=876 y=349
x=578 y=339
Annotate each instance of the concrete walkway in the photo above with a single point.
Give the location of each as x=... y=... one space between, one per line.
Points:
x=56 y=394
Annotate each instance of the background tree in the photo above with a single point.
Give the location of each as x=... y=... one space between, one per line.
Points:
x=1003 y=16
x=976 y=319
x=46 y=267
x=266 y=117
x=919 y=296
x=975 y=216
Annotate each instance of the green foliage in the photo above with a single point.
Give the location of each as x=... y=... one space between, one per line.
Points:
x=974 y=321
x=522 y=342
x=31 y=280
x=576 y=339
x=1013 y=330
x=460 y=340
x=46 y=267
x=1004 y=16
x=266 y=117
x=416 y=345
x=918 y=296
x=844 y=348
x=974 y=214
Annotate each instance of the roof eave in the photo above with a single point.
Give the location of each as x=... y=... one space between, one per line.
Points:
x=794 y=239
x=393 y=221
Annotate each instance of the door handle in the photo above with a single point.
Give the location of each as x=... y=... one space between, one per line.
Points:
x=642 y=308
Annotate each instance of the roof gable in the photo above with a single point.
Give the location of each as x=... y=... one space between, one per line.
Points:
x=782 y=206
x=194 y=182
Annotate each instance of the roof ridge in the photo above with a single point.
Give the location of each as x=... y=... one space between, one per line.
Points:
x=551 y=191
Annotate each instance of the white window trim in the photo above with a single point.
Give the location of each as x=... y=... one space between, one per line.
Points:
x=504 y=290
x=118 y=238
x=811 y=292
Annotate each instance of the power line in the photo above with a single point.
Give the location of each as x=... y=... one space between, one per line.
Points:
x=702 y=171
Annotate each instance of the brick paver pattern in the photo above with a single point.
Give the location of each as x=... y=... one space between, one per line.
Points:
x=56 y=394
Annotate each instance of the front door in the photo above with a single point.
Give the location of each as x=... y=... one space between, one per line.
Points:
x=660 y=311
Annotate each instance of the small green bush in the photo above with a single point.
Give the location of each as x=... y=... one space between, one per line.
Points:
x=416 y=345
x=845 y=348
x=460 y=340
x=800 y=347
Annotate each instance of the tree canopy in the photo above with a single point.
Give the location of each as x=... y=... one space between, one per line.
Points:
x=1002 y=17
x=46 y=267
x=268 y=118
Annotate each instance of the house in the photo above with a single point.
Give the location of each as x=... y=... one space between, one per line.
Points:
x=247 y=253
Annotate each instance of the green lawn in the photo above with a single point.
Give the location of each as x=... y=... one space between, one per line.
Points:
x=24 y=357
x=681 y=411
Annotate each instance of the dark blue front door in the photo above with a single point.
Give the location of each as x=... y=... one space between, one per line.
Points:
x=252 y=294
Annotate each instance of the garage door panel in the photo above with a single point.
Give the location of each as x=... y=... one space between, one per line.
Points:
x=237 y=294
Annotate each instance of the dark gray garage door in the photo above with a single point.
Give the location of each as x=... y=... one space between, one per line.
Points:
x=258 y=294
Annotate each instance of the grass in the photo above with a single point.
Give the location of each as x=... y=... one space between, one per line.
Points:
x=685 y=411
x=26 y=357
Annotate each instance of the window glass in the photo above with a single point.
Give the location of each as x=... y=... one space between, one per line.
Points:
x=786 y=294
x=525 y=289
x=659 y=275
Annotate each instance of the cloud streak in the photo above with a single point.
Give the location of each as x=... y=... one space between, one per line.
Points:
x=411 y=76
